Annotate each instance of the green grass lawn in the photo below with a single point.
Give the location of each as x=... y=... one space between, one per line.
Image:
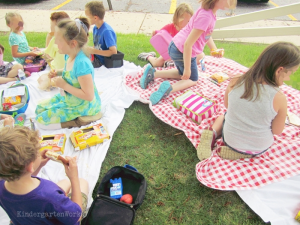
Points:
x=165 y=156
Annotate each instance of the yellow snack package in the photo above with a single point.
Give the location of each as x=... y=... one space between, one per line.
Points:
x=219 y=77
x=89 y=136
x=13 y=100
x=54 y=142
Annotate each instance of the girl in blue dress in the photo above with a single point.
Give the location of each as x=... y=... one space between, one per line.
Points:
x=79 y=95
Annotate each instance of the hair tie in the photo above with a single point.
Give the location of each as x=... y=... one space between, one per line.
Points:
x=79 y=24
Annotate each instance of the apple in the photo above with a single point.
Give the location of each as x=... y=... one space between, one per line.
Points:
x=127 y=198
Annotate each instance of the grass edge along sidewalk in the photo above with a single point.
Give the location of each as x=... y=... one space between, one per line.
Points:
x=164 y=155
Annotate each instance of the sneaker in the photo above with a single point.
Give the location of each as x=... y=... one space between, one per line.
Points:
x=169 y=63
x=163 y=91
x=20 y=119
x=147 y=77
x=144 y=55
x=206 y=144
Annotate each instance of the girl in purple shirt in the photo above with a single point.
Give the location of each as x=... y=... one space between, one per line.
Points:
x=184 y=48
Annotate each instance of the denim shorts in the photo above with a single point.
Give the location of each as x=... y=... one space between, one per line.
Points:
x=177 y=57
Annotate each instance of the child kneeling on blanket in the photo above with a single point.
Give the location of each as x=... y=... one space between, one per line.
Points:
x=256 y=108
x=28 y=199
x=79 y=96
x=183 y=50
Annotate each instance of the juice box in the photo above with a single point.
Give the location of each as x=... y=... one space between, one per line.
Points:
x=89 y=136
x=54 y=142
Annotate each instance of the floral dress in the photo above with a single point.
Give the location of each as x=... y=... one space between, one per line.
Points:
x=60 y=108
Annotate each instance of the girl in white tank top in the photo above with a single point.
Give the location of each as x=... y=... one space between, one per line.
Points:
x=256 y=108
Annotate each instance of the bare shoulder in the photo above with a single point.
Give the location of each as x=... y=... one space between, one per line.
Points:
x=235 y=78
x=279 y=96
x=280 y=101
x=233 y=81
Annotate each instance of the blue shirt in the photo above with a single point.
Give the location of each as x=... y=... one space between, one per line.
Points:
x=82 y=65
x=47 y=204
x=21 y=41
x=104 y=37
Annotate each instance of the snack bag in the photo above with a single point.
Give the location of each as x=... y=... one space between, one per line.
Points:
x=219 y=77
x=55 y=142
x=13 y=100
x=217 y=52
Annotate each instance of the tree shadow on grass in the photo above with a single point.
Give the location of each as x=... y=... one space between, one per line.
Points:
x=13 y=2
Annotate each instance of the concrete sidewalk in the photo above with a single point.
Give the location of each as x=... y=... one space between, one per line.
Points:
x=137 y=23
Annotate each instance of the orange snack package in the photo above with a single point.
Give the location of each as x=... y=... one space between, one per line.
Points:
x=13 y=100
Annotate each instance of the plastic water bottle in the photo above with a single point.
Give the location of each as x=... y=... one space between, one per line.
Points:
x=21 y=75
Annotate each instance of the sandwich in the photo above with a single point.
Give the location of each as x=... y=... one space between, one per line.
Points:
x=57 y=157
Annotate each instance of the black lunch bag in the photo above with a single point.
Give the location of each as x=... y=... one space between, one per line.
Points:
x=109 y=211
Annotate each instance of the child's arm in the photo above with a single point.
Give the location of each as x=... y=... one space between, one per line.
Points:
x=111 y=50
x=72 y=173
x=211 y=44
x=86 y=92
x=280 y=106
x=54 y=73
x=187 y=52
x=16 y=54
x=8 y=120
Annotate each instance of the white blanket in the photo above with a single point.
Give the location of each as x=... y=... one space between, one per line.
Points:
x=115 y=98
x=277 y=203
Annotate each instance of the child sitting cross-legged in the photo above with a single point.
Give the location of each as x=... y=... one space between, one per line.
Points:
x=104 y=37
x=17 y=39
x=256 y=108
x=79 y=96
x=28 y=199
x=51 y=50
x=9 y=71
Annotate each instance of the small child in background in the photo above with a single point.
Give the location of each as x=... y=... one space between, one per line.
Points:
x=22 y=193
x=184 y=48
x=181 y=17
x=104 y=37
x=79 y=95
x=51 y=50
x=17 y=38
x=256 y=108
x=8 y=72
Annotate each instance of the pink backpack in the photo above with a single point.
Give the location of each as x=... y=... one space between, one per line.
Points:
x=161 y=42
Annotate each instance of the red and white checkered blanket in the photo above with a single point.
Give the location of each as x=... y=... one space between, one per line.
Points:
x=280 y=162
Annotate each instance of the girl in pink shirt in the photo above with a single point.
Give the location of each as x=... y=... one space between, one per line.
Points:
x=183 y=49
x=181 y=17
